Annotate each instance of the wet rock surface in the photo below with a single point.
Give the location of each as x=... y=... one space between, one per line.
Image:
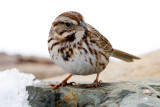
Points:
x=114 y=94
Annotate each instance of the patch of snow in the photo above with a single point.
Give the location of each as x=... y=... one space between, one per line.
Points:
x=13 y=88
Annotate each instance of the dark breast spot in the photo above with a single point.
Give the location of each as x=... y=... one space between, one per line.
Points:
x=85 y=50
x=92 y=41
x=66 y=53
x=90 y=61
x=54 y=44
x=90 y=49
x=96 y=54
x=104 y=55
x=61 y=50
x=70 y=38
x=74 y=46
x=66 y=56
x=71 y=50
x=86 y=42
x=49 y=40
x=103 y=65
x=79 y=43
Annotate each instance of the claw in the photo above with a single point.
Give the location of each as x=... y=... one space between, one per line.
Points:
x=94 y=84
x=68 y=84
x=62 y=84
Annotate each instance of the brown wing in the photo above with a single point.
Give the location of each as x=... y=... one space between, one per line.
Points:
x=102 y=42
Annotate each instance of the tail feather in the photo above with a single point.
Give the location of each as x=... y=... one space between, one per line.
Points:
x=123 y=55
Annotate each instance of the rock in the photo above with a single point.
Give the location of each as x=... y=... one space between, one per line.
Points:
x=114 y=94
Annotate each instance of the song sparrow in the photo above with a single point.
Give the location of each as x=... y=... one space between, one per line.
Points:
x=79 y=48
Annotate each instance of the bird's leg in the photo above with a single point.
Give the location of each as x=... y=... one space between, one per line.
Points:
x=96 y=83
x=63 y=83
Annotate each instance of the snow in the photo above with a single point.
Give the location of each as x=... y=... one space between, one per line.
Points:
x=13 y=88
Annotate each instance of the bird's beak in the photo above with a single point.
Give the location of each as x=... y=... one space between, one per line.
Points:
x=82 y=24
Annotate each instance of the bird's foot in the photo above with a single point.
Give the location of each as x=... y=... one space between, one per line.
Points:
x=94 y=84
x=62 y=84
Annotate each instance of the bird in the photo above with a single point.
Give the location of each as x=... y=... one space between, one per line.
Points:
x=80 y=49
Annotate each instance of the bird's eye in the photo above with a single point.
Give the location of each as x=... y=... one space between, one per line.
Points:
x=67 y=24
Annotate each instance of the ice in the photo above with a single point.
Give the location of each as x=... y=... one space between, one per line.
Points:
x=13 y=88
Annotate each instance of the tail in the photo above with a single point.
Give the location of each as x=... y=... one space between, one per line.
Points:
x=123 y=56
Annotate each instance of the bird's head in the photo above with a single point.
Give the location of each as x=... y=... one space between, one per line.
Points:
x=68 y=23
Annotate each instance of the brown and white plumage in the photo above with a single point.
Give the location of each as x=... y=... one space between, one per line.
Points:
x=79 y=48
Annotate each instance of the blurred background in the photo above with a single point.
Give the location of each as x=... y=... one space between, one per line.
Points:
x=131 y=26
